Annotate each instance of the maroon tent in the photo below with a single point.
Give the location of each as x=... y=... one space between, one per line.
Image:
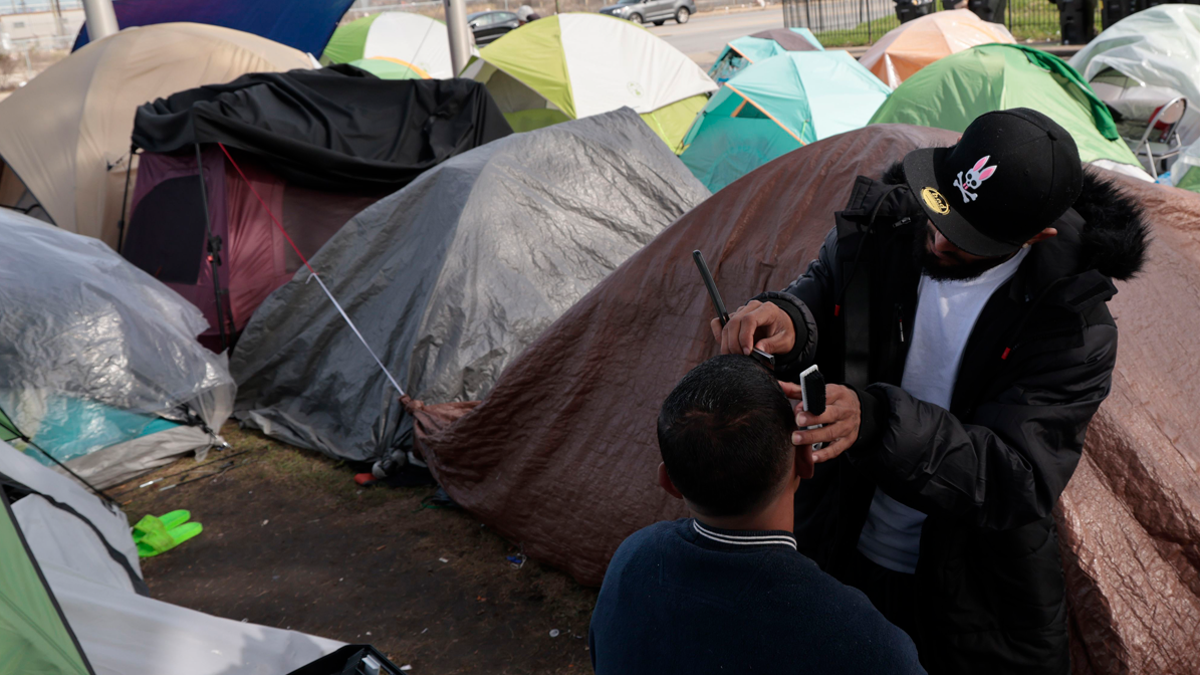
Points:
x=561 y=456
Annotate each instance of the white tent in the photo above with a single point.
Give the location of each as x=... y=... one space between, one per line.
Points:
x=89 y=561
x=1144 y=60
x=407 y=38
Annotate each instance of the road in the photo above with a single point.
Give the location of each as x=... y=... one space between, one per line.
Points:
x=705 y=35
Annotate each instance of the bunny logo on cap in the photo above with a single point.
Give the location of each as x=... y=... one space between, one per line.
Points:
x=974 y=179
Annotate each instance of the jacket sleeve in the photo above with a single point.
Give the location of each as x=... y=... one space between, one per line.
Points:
x=1010 y=464
x=806 y=298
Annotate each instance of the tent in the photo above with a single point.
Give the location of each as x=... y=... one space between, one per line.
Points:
x=75 y=603
x=100 y=366
x=305 y=25
x=569 y=66
x=1158 y=50
x=951 y=92
x=1185 y=172
x=414 y=41
x=389 y=69
x=913 y=45
x=73 y=163
x=776 y=106
x=317 y=146
x=560 y=457
x=760 y=46
x=452 y=277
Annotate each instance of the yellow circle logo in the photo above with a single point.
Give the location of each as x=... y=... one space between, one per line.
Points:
x=935 y=200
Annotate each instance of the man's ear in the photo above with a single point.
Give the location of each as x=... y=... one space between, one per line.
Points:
x=1042 y=236
x=804 y=462
x=664 y=481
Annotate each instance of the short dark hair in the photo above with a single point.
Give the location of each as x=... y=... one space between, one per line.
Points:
x=725 y=435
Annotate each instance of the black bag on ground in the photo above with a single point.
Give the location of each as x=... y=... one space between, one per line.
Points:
x=350 y=660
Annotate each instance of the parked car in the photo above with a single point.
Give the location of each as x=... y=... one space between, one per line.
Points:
x=488 y=26
x=656 y=11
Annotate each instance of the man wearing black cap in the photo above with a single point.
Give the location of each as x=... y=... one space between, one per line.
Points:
x=962 y=301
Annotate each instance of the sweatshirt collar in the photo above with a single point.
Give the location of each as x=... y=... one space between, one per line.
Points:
x=743 y=538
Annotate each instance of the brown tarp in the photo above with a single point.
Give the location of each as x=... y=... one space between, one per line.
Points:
x=561 y=456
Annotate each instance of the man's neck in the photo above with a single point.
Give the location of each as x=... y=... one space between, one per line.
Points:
x=778 y=515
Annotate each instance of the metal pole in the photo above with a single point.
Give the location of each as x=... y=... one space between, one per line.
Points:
x=460 y=38
x=58 y=23
x=101 y=19
x=214 y=252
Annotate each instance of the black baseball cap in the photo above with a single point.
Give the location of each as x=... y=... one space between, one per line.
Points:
x=1011 y=175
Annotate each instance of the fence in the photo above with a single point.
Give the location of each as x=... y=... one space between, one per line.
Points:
x=861 y=22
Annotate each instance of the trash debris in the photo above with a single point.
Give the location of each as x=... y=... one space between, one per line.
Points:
x=154 y=535
x=443 y=560
x=553 y=632
x=405 y=667
x=424 y=631
x=265 y=522
x=517 y=561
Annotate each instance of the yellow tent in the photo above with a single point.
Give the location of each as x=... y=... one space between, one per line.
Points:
x=64 y=141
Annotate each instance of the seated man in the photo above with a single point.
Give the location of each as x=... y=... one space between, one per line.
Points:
x=725 y=590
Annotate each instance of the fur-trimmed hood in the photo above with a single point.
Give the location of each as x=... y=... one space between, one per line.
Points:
x=1116 y=235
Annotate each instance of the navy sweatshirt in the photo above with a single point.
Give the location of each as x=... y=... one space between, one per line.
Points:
x=682 y=597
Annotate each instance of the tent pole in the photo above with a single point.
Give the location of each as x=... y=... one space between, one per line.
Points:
x=214 y=252
x=125 y=199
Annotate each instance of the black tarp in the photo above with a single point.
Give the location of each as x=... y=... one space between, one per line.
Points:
x=331 y=129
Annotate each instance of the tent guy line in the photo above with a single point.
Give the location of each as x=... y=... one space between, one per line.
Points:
x=312 y=271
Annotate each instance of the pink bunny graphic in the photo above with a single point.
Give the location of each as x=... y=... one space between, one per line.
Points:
x=974 y=179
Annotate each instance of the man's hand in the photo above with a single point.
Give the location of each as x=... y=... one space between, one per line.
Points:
x=761 y=325
x=840 y=419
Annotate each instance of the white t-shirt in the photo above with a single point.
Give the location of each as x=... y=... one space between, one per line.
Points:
x=945 y=316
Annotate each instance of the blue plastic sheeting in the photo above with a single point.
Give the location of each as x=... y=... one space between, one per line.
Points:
x=306 y=25
x=72 y=428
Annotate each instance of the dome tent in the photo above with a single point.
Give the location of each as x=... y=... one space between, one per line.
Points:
x=570 y=66
x=73 y=163
x=1155 y=55
x=951 y=92
x=75 y=601
x=404 y=39
x=100 y=367
x=776 y=106
x=913 y=45
x=316 y=146
x=452 y=277
x=761 y=46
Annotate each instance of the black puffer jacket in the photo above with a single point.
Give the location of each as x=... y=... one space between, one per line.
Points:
x=989 y=471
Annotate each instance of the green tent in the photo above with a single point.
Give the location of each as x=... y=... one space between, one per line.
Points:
x=388 y=69
x=776 y=106
x=412 y=40
x=575 y=65
x=748 y=49
x=34 y=634
x=951 y=92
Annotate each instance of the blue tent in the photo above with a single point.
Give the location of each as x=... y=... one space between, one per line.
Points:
x=306 y=25
x=759 y=47
x=776 y=106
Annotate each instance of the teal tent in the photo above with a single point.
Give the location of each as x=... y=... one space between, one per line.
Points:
x=761 y=46
x=776 y=106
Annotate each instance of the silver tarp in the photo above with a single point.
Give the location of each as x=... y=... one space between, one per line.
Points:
x=95 y=353
x=452 y=277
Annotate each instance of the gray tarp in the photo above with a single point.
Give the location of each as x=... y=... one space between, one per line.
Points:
x=453 y=276
x=95 y=352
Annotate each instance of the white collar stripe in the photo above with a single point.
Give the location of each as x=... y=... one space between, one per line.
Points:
x=744 y=539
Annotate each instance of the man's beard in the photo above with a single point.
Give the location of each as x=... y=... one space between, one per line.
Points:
x=933 y=266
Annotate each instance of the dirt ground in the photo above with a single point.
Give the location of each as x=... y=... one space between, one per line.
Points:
x=291 y=541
